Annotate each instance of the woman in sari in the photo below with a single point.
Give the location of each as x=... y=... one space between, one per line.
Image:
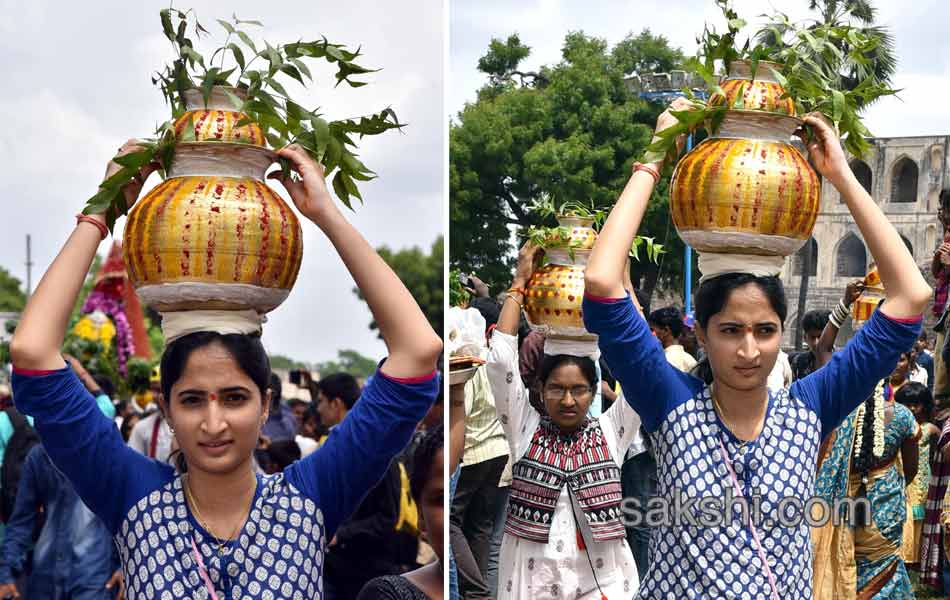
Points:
x=916 y=397
x=872 y=456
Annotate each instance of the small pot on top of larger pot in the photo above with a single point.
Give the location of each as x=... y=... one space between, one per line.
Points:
x=747 y=189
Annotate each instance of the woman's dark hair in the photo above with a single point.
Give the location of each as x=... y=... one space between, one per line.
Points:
x=945 y=198
x=246 y=350
x=914 y=392
x=551 y=362
x=713 y=294
x=432 y=441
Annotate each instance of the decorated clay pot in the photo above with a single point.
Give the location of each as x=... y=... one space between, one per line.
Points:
x=213 y=235
x=764 y=93
x=873 y=294
x=554 y=295
x=218 y=120
x=747 y=189
x=580 y=233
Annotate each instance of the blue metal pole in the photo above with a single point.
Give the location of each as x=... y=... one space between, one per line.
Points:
x=688 y=260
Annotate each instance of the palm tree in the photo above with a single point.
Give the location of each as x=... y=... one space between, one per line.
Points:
x=859 y=15
x=878 y=63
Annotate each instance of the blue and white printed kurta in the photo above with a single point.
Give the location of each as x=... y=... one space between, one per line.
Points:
x=721 y=560
x=279 y=552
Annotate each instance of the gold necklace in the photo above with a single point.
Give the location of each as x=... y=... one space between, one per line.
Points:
x=722 y=415
x=221 y=543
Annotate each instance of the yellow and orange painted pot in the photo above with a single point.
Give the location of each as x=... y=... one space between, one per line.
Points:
x=580 y=232
x=217 y=120
x=866 y=303
x=747 y=189
x=555 y=293
x=213 y=235
x=762 y=93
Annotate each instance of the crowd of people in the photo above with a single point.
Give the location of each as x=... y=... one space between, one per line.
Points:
x=560 y=452
x=210 y=484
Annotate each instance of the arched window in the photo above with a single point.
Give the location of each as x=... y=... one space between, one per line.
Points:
x=800 y=259
x=862 y=172
x=852 y=259
x=904 y=181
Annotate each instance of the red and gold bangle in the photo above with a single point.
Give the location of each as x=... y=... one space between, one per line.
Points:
x=639 y=166
x=517 y=290
x=103 y=230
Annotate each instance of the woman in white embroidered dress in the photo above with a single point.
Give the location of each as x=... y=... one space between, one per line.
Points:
x=564 y=537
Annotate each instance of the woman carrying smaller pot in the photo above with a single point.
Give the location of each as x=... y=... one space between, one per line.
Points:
x=564 y=537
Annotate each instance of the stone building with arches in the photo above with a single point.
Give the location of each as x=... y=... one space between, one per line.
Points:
x=904 y=175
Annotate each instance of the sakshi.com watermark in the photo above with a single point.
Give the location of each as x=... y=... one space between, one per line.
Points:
x=679 y=510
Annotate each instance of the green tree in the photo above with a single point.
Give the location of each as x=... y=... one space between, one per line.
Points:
x=572 y=132
x=348 y=361
x=422 y=275
x=279 y=361
x=881 y=62
x=12 y=297
x=646 y=53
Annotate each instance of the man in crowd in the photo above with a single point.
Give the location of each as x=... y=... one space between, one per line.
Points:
x=813 y=323
x=925 y=358
x=73 y=556
x=366 y=545
x=940 y=268
x=281 y=423
x=667 y=325
x=478 y=495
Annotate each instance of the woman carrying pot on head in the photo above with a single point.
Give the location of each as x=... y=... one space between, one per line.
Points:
x=564 y=533
x=210 y=528
x=720 y=433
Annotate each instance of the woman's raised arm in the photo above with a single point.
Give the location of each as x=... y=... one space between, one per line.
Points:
x=414 y=348
x=604 y=275
x=39 y=335
x=907 y=291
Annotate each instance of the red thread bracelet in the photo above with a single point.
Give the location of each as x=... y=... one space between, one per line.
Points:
x=103 y=230
x=638 y=166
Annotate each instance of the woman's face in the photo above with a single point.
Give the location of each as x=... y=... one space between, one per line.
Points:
x=430 y=504
x=903 y=364
x=216 y=411
x=567 y=396
x=917 y=410
x=743 y=340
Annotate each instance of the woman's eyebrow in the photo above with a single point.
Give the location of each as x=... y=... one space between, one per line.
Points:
x=234 y=388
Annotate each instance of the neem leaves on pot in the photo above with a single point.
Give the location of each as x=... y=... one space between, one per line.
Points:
x=254 y=71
